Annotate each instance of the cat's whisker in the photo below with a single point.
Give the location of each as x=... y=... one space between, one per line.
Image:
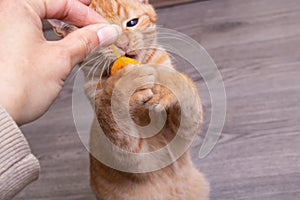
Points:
x=80 y=68
x=102 y=70
x=165 y=47
x=92 y=68
x=166 y=35
x=97 y=60
x=85 y=64
x=96 y=68
x=106 y=67
x=100 y=64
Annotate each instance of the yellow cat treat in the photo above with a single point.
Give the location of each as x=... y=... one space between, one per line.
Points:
x=121 y=62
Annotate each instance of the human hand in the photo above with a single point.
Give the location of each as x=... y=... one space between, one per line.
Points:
x=33 y=70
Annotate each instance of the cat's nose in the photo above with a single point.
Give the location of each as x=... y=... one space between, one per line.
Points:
x=123 y=42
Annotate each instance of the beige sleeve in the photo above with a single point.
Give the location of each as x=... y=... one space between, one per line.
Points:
x=18 y=167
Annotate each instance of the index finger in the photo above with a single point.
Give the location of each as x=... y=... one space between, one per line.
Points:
x=70 y=11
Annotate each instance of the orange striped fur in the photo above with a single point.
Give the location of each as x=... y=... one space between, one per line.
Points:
x=179 y=181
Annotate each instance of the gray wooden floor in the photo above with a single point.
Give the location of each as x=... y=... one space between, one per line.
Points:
x=256 y=45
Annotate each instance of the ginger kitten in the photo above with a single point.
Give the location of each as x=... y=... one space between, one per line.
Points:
x=177 y=181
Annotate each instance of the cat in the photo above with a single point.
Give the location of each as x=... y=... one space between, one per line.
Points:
x=179 y=180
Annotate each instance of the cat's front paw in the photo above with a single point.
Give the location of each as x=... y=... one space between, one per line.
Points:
x=132 y=85
x=129 y=79
x=163 y=99
x=141 y=97
x=144 y=83
x=165 y=103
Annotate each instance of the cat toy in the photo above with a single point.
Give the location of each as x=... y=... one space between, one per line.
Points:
x=121 y=62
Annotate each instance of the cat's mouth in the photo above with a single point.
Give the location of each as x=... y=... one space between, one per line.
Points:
x=132 y=55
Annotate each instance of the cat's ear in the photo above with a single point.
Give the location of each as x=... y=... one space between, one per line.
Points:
x=60 y=28
x=144 y=1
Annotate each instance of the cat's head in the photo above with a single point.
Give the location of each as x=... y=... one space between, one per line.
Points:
x=137 y=18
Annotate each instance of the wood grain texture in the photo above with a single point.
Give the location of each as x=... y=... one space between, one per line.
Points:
x=256 y=47
x=165 y=3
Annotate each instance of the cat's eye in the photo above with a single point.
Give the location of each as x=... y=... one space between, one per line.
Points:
x=132 y=22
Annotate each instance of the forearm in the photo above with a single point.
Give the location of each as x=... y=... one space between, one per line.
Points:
x=18 y=167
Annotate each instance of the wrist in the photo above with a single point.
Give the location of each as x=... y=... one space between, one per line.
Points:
x=9 y=110
x=9 y=104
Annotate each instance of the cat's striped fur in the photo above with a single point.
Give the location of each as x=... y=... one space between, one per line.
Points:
x=179 y=181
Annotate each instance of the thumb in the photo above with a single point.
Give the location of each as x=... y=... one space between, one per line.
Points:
x=82 y=42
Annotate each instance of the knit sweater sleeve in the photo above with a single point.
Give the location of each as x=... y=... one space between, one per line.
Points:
x=18 y=167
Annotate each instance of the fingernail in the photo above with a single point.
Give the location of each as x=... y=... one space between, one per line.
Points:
x=109 y=34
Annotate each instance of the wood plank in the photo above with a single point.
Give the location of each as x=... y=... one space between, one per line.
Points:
x=256 y=47
x=165 y=3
